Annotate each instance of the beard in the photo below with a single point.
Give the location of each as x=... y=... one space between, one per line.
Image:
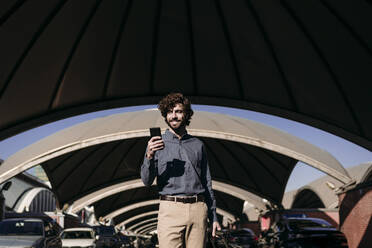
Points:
x=178 y=126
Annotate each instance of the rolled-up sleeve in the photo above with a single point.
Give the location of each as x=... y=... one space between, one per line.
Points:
x=148 y=171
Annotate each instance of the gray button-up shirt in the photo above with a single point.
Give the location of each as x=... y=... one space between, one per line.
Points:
x=181 y=169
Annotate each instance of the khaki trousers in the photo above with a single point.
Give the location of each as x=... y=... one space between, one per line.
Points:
x=182 y=224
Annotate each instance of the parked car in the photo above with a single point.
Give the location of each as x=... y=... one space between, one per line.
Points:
x=244 y=238
x=304 y=233
x=241 y=238
x=124 y=241
x=28 y=232
x=5 y=187
x=78 y=237
x=106 y=236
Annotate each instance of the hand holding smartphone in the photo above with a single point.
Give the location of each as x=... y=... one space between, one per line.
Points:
x=154 y=144
x=155 y=131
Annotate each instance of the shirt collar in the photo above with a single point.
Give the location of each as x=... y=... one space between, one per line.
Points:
x=171 y=136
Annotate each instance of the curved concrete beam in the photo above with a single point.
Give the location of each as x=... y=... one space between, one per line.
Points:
x=27 y=199
x=326 y=195
x=153 y=202
x=226 y=214
x=135 y=124
x=240 y=193
x=87 y=200
x=141 y=223
x=137 y=183
x=145 y=228
x=220 y=211
x=147 y=231
x=130 y=207
x=137 y=217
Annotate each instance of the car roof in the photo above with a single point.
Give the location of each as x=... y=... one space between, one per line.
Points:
x=95 y=226
x=27 y=215
x=306 y=218
x=78 y=229
x=316 y=220
x=24 y=219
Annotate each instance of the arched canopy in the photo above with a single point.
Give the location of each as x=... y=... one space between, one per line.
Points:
x=113 y=206
x=137 y=183
x=147 y=231
x=119 y=195
x=141 y=223
x=61 y=58
x=38 y=199
x=106 y=151
x=307 y=198
x=145 y=204
x=147 y=214
x=133 y=215
x=146 y=228
x=324 y=189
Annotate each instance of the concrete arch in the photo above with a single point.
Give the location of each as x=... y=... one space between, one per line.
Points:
x=141 y=223
x=136 y=217
x=237 y=140
x=307 y=198
x=153 y=202
x=204 y=124
x=137 y=183
x=147 y=231
x=146 y=228
x=326 y=187
x=131 y=207
x=26 y=199
x=367 y=175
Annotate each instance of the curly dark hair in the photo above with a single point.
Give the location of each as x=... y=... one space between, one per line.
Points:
x=171 y=100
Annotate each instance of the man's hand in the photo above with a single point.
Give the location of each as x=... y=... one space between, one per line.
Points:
x=154 y=144
x=216 y=226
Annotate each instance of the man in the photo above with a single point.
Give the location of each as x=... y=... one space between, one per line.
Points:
x=179 y=162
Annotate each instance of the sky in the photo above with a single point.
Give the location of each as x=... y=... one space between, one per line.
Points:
x=347 y=153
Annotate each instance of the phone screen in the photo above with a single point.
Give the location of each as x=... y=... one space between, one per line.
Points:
x=155 y=131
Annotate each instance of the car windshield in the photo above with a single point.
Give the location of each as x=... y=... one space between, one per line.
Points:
x=77 y=235
x=21 y=227
x=304 y=223
x=105 y=230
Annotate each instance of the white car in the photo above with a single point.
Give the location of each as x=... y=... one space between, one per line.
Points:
x=28 y=232
x=78 y=237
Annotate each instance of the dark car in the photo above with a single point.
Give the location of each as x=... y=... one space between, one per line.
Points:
x=244 y=238
x=106 y=236
x=241 y=238
x=124 y=241
x=5 y=187
x=305 y=233
x=28 y=232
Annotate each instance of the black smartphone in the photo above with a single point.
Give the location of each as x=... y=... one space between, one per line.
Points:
x=155 y=131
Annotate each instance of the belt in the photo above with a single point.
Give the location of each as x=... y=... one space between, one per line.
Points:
x=183 y=199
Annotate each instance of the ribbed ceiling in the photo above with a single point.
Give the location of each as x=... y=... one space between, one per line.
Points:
x=310 y=61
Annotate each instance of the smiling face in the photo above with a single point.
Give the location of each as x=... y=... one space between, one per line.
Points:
x=176 y=118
